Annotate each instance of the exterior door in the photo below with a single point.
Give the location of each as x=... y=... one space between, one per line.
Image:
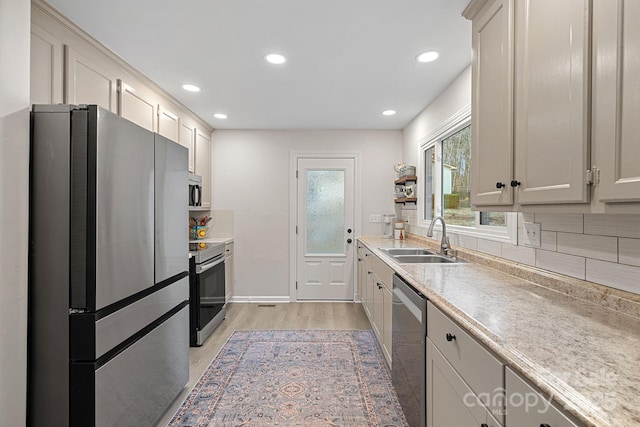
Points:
x=325 y=232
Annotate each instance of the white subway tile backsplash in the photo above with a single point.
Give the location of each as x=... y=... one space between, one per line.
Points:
x=629 y=251
x=521 y=254
x=525 y=217
x=490 y=247
x=612 y=225
x=468 y=242
x=549 y=240
x=599 y=247
x=570 y=223
x=619 y=276
x=569 y=265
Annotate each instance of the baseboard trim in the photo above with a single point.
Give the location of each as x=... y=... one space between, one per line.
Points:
x=256 y=299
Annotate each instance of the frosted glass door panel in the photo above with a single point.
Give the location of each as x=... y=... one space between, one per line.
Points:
x=325 y=212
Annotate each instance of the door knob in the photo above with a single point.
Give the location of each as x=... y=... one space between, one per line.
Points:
x=349 y=240
x=349 y=230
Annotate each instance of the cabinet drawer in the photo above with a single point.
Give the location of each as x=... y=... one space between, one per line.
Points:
x=383 y=271
x=479 y=368
x=526 y=407
x=365 y=254
x=228 y=249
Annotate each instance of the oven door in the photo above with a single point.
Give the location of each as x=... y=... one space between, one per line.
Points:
x=210 y=290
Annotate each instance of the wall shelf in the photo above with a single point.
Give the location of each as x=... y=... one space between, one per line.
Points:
x=405 y=179
x=406 y=200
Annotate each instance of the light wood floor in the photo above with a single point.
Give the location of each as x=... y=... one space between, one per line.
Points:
x=299 y=315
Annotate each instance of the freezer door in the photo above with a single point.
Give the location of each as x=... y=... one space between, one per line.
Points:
x=124 y=188
x=171 y=209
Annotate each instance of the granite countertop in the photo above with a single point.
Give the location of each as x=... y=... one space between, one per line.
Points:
x=584 y=355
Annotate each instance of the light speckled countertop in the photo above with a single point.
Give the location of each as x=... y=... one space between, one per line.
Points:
x=584 y=355
x=224 y=240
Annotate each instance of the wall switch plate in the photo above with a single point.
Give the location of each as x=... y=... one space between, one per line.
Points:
x=531 y=234
x=375 y=218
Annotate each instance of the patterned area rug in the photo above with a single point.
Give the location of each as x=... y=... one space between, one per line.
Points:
x=294 y=378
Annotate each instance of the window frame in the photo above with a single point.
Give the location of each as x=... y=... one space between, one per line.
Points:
x=454 y=124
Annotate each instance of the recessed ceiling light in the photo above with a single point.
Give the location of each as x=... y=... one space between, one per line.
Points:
x=275 y=58
x=427 y=56
x=220 y=116
x=388 y=112
x=191 y=88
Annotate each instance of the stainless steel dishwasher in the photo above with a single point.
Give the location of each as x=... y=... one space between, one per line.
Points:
x=409 y=331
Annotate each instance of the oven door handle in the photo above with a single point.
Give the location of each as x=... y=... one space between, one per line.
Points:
x=209 y=264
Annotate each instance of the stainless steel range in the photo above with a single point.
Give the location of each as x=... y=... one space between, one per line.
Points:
x=207 y=291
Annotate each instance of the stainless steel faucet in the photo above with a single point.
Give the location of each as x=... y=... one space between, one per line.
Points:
x=445 y=247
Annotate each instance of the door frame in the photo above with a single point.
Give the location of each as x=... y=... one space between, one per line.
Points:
x=293 y=208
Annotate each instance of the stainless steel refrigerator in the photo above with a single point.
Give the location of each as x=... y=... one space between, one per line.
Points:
x=108 y=270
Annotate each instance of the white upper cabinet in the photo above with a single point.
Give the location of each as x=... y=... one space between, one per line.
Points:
x=88 y=82
x=168 y=123
x=187 y=138
x=531 y=104
x=616 y=99
x=46 y=67
x=137 y=105
x=492 y=104
x=552 y=101
x=203 y=165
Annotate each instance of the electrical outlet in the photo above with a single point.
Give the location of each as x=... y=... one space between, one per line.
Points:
x=375 y=218
x=531 y=234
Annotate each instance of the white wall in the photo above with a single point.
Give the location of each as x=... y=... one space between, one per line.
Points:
x=455 y=98
x=15 y=24
x=600 y=248
x=251 y=176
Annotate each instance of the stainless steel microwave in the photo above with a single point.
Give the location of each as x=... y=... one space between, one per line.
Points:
x=195 y=190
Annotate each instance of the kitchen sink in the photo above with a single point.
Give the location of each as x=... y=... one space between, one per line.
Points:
x=425 y=259
x=408 y=251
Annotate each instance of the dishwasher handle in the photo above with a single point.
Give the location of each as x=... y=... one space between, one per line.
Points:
x=413 y=300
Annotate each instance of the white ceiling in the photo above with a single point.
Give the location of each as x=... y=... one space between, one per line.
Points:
x=347 y=60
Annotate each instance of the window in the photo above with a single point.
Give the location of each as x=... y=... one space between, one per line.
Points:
x=446 y=167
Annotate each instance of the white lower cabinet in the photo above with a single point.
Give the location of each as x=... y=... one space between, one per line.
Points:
x=228 y=271
x=375 y=283
x=450 y=401
x=464 y=380
x=526 y=407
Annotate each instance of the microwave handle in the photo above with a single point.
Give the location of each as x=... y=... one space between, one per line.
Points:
x=199 y=202
x=192 y=196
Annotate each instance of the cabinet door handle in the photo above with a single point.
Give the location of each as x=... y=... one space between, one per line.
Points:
x=484 y=425
x=450 y=337
x=500 y=185
x=545 y=425
x=515 y=183
x=369 y=272
x=379 y=285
